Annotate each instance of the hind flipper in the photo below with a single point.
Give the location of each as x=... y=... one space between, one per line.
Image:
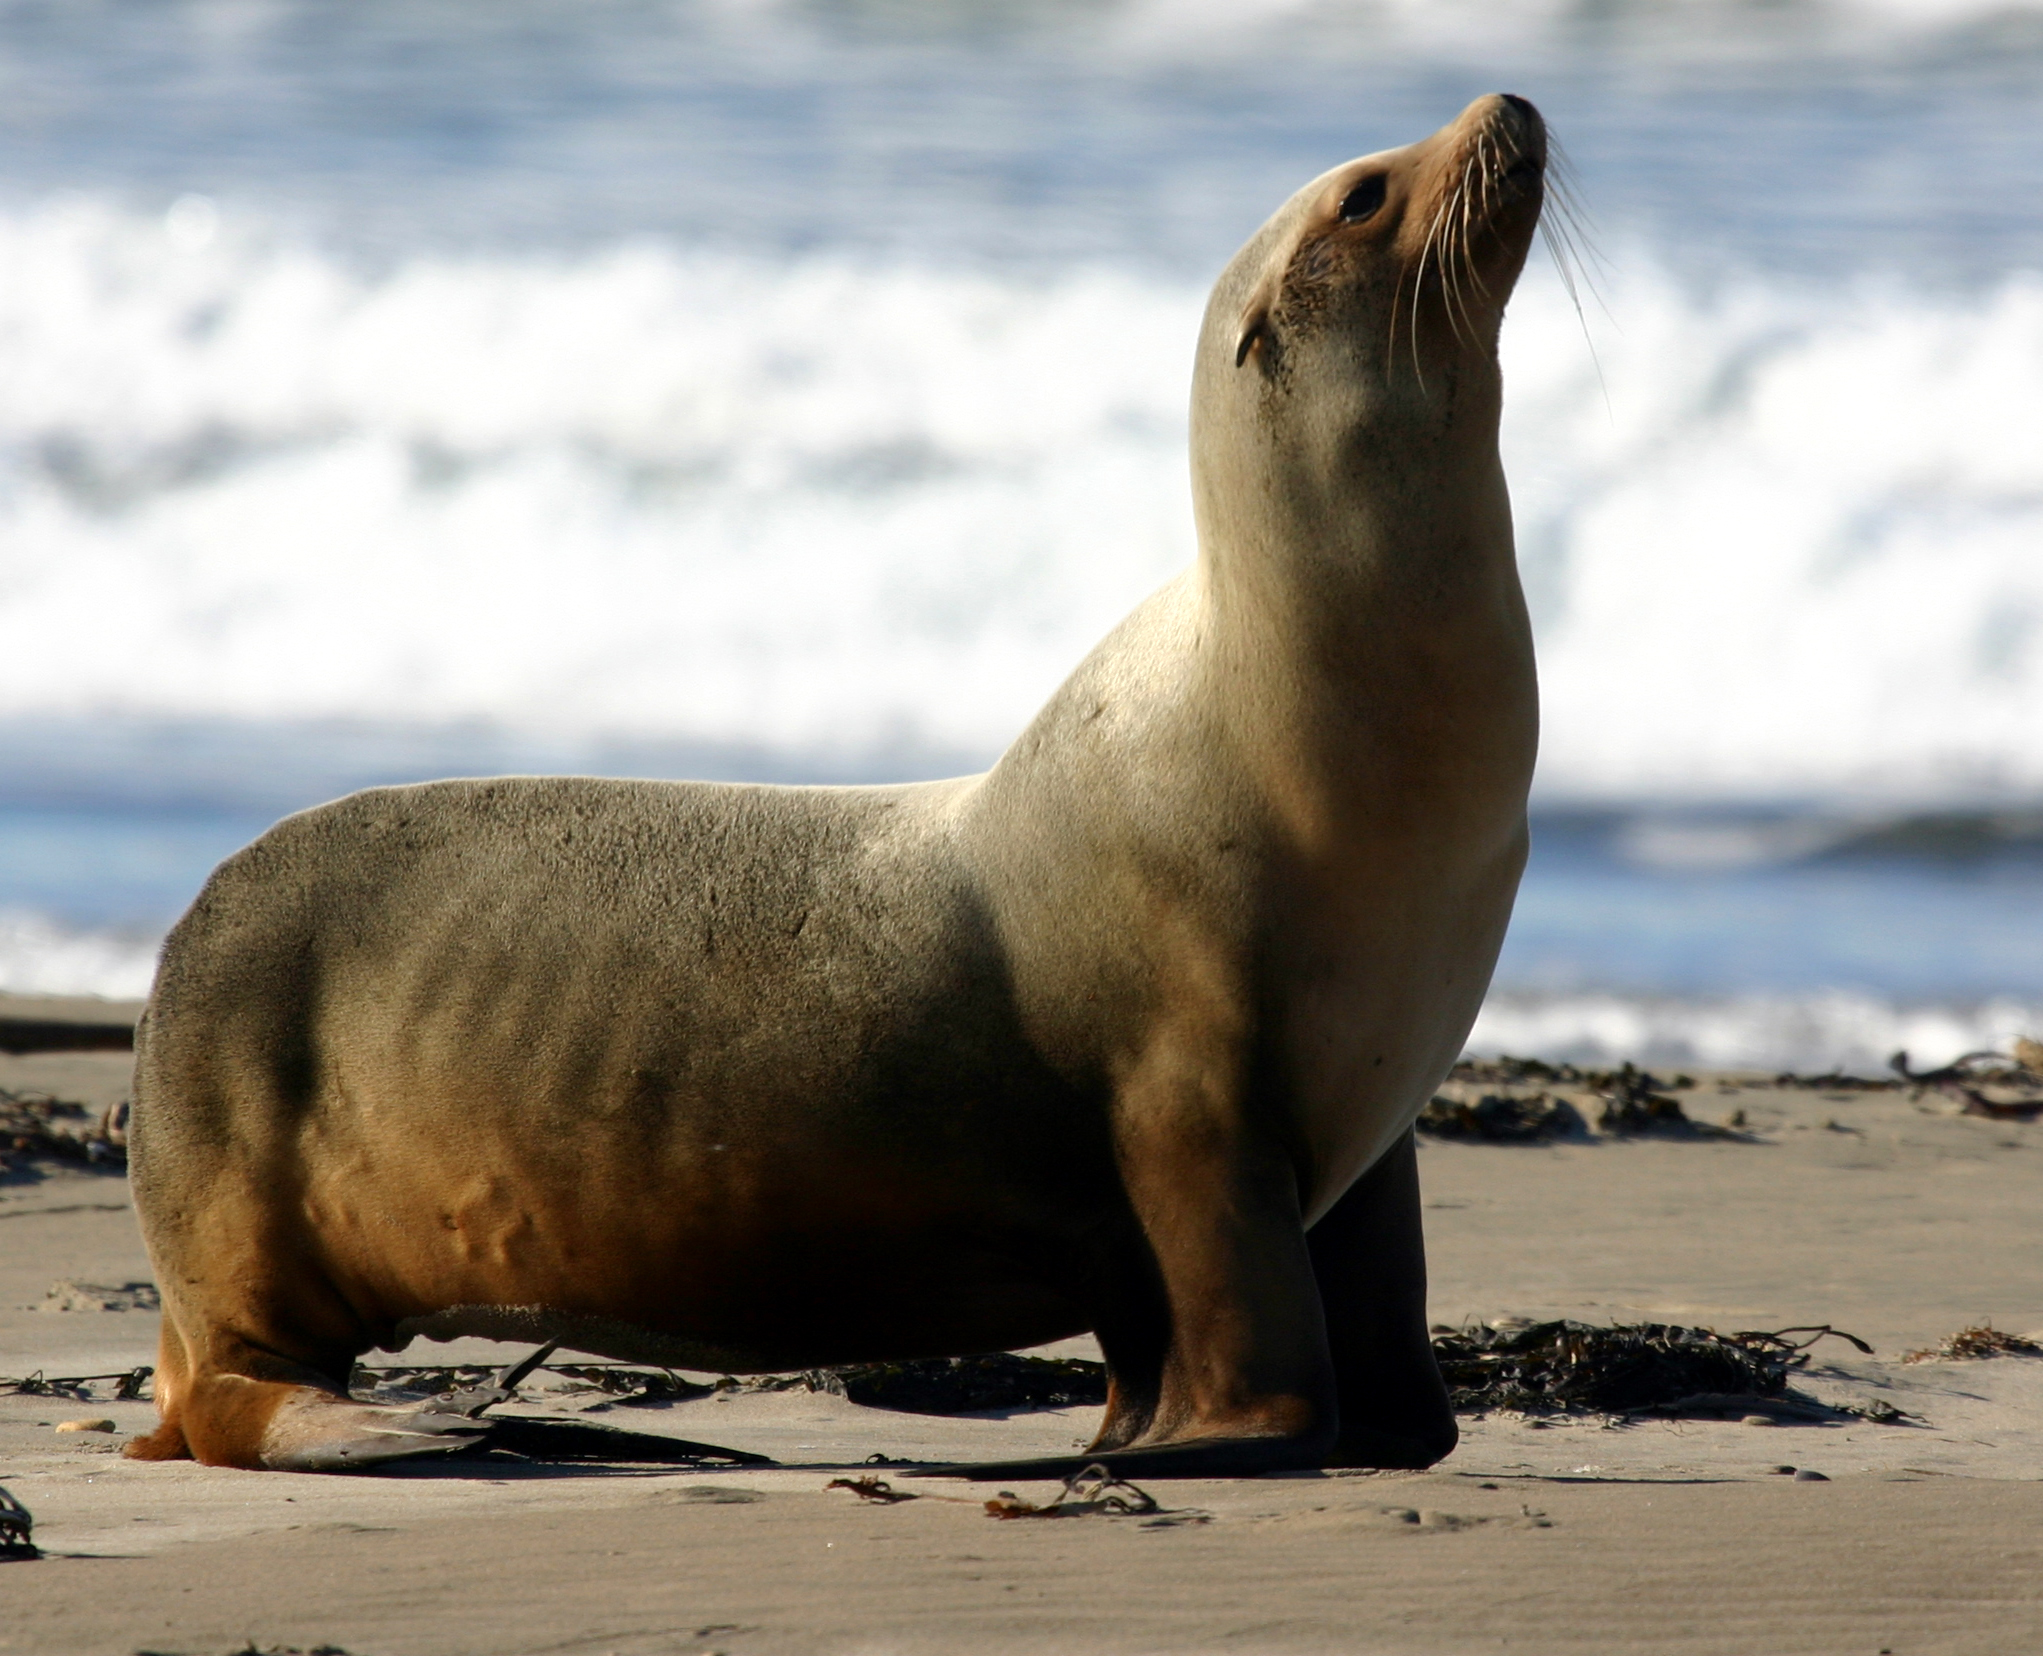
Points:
x=236 y=1420
x=322 y=1433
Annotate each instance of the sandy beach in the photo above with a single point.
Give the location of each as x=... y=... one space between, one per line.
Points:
x=1898 y=1219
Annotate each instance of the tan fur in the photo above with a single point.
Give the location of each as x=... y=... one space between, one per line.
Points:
x=1126 y=1034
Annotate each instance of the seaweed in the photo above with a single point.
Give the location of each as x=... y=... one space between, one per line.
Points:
x=28 y=1127
x=620 y=1382
x=1506 y=1070
x=1634 y=1103
x=633 y=1385
x=1539 y=1368
x=872 y=1488
x=1091 y=1489
x=129 y=1385
x=965 y=1385
x=1562 y=1366
x=1500 y=1118
x=17 y=1529
x=1966 y=1078
x=249 y=1647
x=1972 y=1344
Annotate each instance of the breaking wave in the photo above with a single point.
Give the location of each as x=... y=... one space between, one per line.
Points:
x=40 y=956
x=1814 y=1034
x=1780 y=541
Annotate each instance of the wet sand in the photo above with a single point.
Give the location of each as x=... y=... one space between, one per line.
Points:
x=1898 y=1220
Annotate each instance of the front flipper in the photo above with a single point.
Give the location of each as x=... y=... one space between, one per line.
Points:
x=1209 y=1313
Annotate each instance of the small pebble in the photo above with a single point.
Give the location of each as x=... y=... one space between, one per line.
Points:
x=86 y=1426
x=1789 y=1470
x=1807 y=1476
x=1755 y=1420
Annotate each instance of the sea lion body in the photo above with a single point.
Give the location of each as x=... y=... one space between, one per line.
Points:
x=1125 y=1035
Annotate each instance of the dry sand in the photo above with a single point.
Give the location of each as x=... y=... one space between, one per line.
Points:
x=1894 y=1219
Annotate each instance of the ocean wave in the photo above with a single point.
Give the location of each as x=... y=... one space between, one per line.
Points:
x=1780 y=540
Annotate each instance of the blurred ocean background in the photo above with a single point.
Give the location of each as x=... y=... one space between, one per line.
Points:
x=795 y=391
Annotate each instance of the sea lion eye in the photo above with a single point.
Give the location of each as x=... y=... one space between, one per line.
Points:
x=1363 y=200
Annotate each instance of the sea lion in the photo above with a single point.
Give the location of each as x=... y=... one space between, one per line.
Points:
x=1125 y=1035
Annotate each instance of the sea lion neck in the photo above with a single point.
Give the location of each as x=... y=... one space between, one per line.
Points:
x=1346 y=394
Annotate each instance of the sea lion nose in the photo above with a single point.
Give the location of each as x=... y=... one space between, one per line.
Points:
x=1518 y=121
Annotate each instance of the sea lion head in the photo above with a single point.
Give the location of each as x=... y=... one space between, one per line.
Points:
x=1359 y=325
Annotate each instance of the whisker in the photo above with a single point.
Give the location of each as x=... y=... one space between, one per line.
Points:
x=1567 y=258
x=1454 y=253
x=1436 y=244
x=1397 y=294
x=1493 y=176
x=1577 y=222
x=1427 y=249
x=1486 y=165
x=1418 y=290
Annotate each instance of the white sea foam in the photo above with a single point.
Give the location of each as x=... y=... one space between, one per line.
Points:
x=39 y=956
x=1812 y=1033
x=815 y=506
x=1791 y=542
x=1801 y=552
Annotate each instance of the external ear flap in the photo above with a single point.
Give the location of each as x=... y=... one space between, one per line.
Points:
x=1255 y=325
x=1255 y=317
